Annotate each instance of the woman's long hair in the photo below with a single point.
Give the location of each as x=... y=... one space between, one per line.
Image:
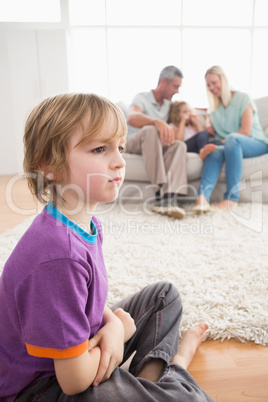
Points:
x=226 y=94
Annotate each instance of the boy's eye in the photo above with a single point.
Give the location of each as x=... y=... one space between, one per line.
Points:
x=121 y=149
x=98 y=150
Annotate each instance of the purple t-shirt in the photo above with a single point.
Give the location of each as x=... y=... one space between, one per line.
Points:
x=53 y=291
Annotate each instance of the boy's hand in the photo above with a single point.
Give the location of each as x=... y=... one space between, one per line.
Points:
x=127 y=321
x=110 y=339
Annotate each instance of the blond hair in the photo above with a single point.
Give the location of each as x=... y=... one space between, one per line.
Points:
x=226 y=94
x=174 y=112
x=47 y=133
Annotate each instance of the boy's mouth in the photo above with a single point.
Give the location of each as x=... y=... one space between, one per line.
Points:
x=117 y=179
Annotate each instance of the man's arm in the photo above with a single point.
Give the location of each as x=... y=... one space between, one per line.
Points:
x=138 y=119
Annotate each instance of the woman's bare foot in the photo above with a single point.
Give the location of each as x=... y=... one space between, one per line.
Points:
x=206 y=150
x=189 y=344
x=201 y=200
x=201 y=205
x=226 y=205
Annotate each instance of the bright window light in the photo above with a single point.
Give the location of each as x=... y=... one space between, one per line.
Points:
x=261 y=13
x=198 y=57
x=144 y=12
x=131 y=72
x=87 y=12
x=217 y=12
x=88 y=61
x=259 y=64
x=30 y=11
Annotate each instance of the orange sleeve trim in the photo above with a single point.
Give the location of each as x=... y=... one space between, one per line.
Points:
x=52 y=353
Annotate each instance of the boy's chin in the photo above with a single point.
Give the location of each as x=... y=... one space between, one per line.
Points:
x=111 y=198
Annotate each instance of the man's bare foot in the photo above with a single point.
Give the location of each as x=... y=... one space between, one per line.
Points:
x=226 y=205
x=189 y=344
x=206 y=150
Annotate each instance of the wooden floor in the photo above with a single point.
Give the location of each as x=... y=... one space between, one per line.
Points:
x=228 y=371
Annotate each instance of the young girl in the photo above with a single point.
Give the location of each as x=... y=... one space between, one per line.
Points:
x=59 y=341
x=188 y=128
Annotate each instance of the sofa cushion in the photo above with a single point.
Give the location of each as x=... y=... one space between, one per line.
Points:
x=252 y=167
x=262 y=106
x=135 y=167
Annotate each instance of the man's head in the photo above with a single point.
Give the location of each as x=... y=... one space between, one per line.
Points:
x=170 y=79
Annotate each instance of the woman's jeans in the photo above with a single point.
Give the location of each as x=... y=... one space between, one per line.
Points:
x=236 y=147
x=157 y=312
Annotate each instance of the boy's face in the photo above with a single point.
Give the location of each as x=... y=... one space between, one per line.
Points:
x=96 y=168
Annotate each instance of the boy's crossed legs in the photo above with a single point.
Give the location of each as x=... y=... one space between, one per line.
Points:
x=158 y=369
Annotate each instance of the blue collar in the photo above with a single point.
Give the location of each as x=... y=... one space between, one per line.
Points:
x=90 y=238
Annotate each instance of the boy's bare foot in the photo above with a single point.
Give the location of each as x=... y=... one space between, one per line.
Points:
x=189 y=344
x=127 y=321
x=226 y=205
x=206 y=150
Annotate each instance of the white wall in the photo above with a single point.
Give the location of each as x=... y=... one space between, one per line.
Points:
x=106 y=55
x=33 y=65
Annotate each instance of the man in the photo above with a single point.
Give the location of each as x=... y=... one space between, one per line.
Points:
x=151 y=136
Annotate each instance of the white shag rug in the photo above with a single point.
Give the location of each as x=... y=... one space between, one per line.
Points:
x=218 y=261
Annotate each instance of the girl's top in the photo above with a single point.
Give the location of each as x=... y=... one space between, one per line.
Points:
x=53 y=291
x=228 y=120
x=189 y=131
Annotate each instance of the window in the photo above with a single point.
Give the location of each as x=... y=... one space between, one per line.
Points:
x=144 y=12
x=30 y=10
x=217 y=13
x=135 y=40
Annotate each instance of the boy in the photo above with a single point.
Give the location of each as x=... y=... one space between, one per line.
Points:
x=59 y=341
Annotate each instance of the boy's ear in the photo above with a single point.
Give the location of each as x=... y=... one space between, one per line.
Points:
x=49 y=175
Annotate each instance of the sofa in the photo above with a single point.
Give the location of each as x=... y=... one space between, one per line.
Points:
x=254 y=183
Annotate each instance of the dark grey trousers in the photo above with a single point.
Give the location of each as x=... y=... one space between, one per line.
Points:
x=157 y=311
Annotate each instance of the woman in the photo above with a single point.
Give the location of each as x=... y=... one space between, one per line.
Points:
x=234 y=120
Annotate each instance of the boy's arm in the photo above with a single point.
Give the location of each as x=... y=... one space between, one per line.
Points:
x=104 y=354
x=110 y=339
x=76 y=374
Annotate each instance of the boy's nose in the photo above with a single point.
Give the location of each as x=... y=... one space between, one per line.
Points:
x=118 y=162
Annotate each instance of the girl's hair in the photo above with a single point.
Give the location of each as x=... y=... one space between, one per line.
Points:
x=174 y=112
x=47 y=132
x=226 y=95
